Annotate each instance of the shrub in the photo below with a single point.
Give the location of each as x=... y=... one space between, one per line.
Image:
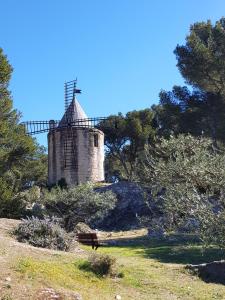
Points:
x=43 y=233
x=78 y=204
x=187 y=179
x=11 y=205
x=101 y=265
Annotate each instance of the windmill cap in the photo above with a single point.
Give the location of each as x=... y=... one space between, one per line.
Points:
x=74 y=112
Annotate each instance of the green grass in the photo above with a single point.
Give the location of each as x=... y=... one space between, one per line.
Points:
x=152 y=270
x=61 y=273
x=179 y=250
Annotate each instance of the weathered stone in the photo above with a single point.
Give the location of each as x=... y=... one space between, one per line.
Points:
x=190 y=225
x=130 y=205
x=8 y=279
x=50 y=294
x=82 y=228
x=75 y=155
x=156 y=233
x=76 y=296
x=156 y=229
x=210 y=272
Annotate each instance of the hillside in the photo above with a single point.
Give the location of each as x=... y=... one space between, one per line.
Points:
x=153 y=270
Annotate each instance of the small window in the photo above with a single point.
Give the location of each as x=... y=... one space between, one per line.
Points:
x=95 y=140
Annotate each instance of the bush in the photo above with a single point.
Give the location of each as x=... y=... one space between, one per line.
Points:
x=212 y=228
x=43 y=233
x=101 y=265
x=187 y=179
x=11 y=205
x=78 y=204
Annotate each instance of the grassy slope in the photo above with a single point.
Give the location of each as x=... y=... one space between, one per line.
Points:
x=153 y=270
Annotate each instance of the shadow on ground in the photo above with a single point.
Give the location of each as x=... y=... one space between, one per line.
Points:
x=213 y=272
x=175 y=249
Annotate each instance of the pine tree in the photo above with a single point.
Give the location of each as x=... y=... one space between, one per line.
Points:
x=17 y=150
x=201 y=60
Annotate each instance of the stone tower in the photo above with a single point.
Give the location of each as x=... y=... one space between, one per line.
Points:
x=75 y=153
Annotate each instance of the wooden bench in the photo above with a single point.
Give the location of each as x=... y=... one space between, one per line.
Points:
x=89 y=239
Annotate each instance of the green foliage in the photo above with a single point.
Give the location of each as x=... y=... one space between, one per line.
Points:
x=31 y=195
x=202 y=59
x=34 y=171
x=100 y=264
x=187 y=177
x=6 y=297
x=43 y=233
x=185 y=159
x=11 y=205
x=125 y=137
x=22 y=161
x=78 y=204
x=212 y=226
x=197 y=112
x=201 y=62
x=147 y=265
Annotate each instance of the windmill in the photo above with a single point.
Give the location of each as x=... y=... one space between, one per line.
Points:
x=75 y=144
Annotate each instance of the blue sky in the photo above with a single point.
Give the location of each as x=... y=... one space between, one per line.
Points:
x=120 y=50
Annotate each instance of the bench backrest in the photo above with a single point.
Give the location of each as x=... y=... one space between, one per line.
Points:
x=88 y=238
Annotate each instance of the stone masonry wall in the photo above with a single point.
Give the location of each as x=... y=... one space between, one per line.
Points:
x=89 y=159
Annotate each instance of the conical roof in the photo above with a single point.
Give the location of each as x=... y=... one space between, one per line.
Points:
x=73 y=113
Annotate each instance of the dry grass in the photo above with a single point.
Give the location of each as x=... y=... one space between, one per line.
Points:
x=153 y=270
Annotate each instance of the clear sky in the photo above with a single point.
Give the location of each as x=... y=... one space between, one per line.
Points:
x=120 y=50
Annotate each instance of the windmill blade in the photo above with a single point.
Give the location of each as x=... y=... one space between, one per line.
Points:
x=36 y=127
x=83 y=123
x=71 y=90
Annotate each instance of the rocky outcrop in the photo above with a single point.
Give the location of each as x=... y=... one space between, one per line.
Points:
x=130 y=205
x=210 y=272
x=82 y=228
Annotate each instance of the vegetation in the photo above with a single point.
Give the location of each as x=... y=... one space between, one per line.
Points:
x=187 y=173
x=188 y=184
x=201 y=59
x=175 y=148
x=150 y=268
x=101 y=265
x=43 y=233
x=199 y=111
x=201 y=62
x=195 y=112
x=125 y=137
x=59 y=211
x=18 y=152
x=78 y=204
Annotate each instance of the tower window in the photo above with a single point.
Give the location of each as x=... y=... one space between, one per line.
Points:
x=95 y=140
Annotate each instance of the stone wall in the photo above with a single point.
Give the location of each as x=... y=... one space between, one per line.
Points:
x=87 y=158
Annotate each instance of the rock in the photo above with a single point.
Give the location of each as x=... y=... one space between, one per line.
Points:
x=77 y=296
x=156 y=230
x=118 y=297
x=190 y=225
x=158 y=233
x=210 y=272
x=8 y=279
x=82 y=228
x=130 y=204
x=49 y=294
